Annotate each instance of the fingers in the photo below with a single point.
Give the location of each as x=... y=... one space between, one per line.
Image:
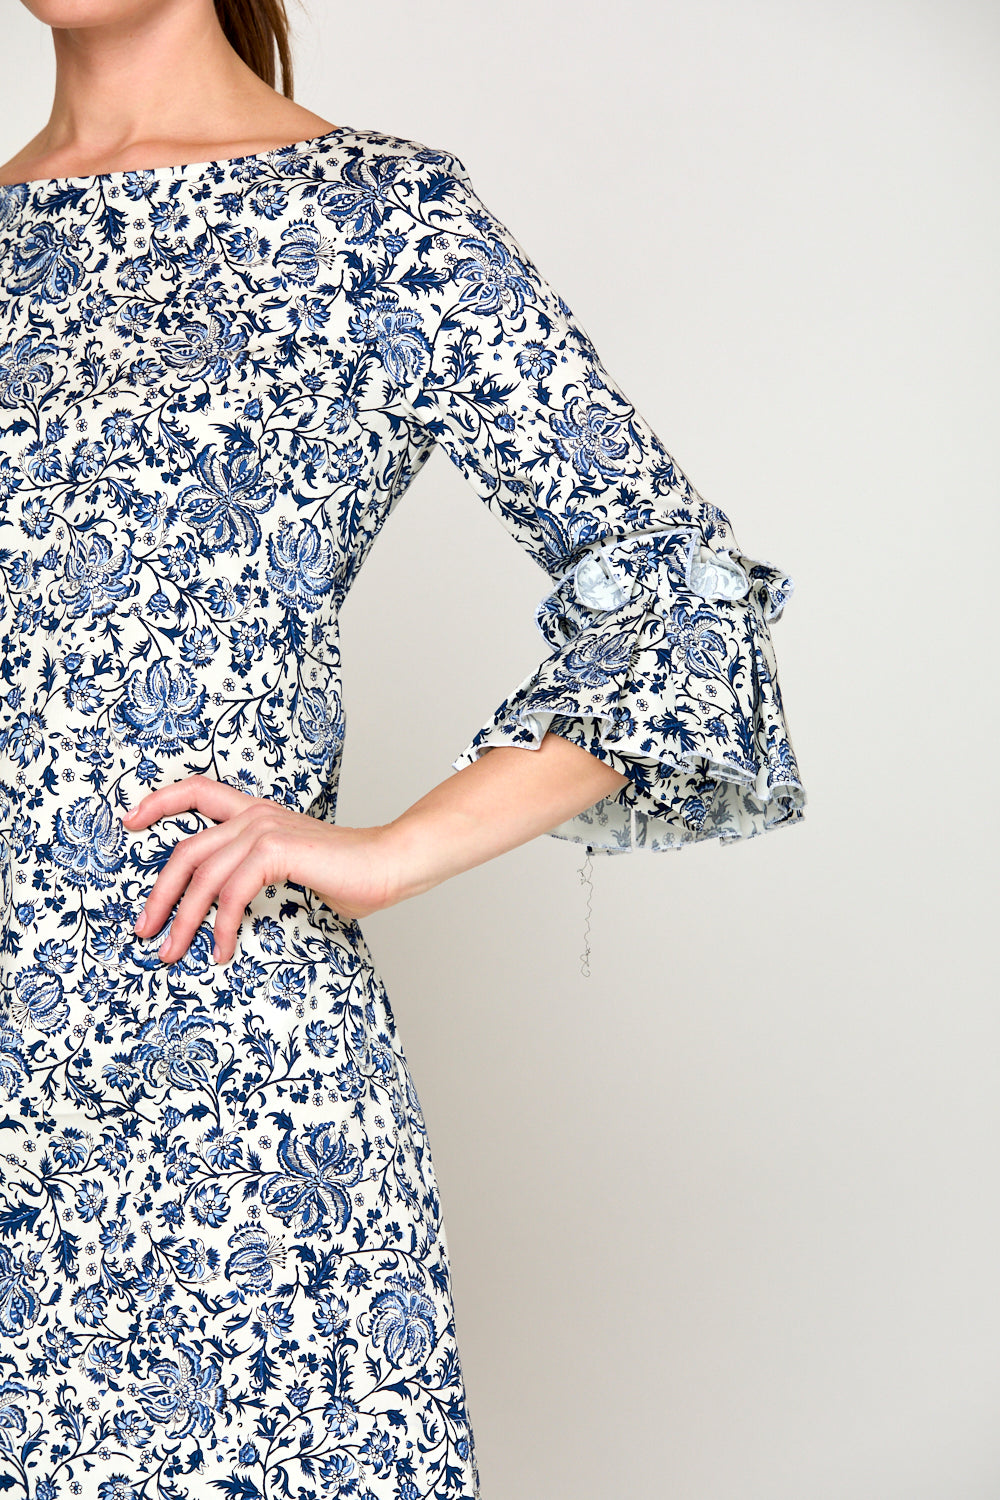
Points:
x=216 y=799
x=234 y=898
x=231 y=876
x=186 y=856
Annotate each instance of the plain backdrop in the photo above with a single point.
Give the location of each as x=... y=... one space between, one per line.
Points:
x=724 y=1216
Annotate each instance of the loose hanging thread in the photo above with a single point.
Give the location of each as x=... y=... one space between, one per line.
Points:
x=585 y=878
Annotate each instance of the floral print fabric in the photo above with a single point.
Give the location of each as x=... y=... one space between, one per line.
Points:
x=223 y=1268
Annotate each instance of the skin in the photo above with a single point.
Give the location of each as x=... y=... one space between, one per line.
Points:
x=150 y=83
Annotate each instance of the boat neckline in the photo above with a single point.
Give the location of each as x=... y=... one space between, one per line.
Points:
x=184 y=166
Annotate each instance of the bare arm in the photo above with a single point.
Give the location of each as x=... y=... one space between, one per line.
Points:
x=508 y=796
x=502 y=800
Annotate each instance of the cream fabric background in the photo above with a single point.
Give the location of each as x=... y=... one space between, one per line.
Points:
x=724 y=1216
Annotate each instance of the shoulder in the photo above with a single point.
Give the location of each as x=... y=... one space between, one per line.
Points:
x=364 y=152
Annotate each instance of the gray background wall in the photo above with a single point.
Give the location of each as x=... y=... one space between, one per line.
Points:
x=724 y=1216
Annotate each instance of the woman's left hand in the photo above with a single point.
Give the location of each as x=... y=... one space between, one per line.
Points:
x=255 y=842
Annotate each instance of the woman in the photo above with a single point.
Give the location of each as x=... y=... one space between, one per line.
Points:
x=231 y=333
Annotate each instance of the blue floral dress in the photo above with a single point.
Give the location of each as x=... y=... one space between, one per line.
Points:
x=223 y=1269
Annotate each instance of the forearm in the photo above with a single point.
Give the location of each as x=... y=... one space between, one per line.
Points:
x=506 y=797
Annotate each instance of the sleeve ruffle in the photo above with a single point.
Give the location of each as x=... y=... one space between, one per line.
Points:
x=662 y=665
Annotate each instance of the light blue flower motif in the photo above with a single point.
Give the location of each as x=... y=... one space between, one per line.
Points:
x=302 y=565
x=311 y=1193
x=133 y=320
x=210 y=1205
x=199 y=645
x=117 y=1487
x=210 y=349
x=97 y=578
x=103 y=1362
x=255 y=1256
x=179 y=560
x=222 y=1148
x=185 y=1393
x=120 y=428
x=24 y=738
x=14 y=1403
x=272 y=1318
x=174 y=1048
x=246 y=641
x=45 y=263
x=70 y=1148
x=197 y=1261
x=535 y=360
x=331 y=1318
x=13 y=1063
x=233 y=490
x=36 y=513
x=88 y=842
x=379 y=1452
x=287 y=987
x=402 y=1320
x=269 y=200
x=350 y=1081
x=396 y=336
x=497 y=280
x=19 y=1303
x=361 y=202
x=322 y=1039
x=339 y=1474
x=132 y=1429
x=90 y=1304
x=41 y=1000
x=88 y=460
x=321 y=720
x=342 y=1415
x=117 y=1234
x=42 y=462
x=25 y=369
x=56 y=956
x=162 y=709
x=60 y=1346
x=225 y=599
x=586 y=433
x=91 y=1201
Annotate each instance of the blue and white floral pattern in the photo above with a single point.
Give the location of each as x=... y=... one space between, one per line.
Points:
x=223 y=1269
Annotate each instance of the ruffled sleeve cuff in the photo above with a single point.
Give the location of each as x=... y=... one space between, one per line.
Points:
x=662 y=665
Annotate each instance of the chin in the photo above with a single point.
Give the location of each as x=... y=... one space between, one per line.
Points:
x=64 y=14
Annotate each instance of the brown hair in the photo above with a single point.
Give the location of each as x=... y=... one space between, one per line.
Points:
x=257 y=29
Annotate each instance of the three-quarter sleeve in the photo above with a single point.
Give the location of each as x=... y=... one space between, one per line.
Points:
x=657 y=654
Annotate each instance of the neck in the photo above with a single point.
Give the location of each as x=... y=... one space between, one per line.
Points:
x=166 y=74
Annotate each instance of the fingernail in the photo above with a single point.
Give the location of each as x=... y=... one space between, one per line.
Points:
x=216 y=955
x=164 y=949
x=139 y=923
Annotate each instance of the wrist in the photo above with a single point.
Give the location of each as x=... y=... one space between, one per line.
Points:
x=406 y=851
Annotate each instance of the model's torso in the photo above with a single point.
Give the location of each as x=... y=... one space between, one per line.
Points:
x=198 y=444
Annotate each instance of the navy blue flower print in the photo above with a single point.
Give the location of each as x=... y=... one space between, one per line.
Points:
x=223 y=1265
x=19 y=1303
x=223 y=508
x=402 y=1320
x=312 y=1192
x=162 y=708
x=97 y=578
x=175 y=1048
x=185 y=1393
x=88 y=842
